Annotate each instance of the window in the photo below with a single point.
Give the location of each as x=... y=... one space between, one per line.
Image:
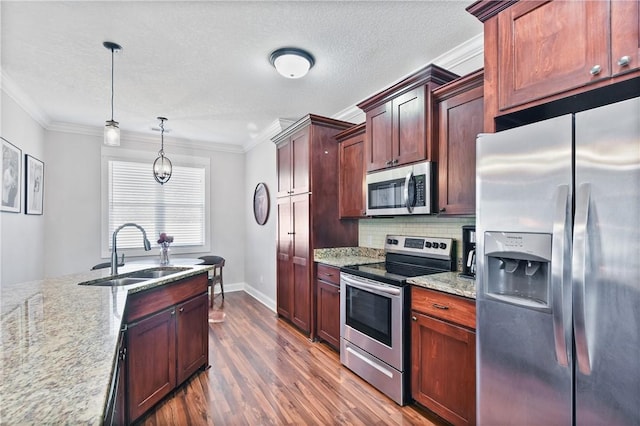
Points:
x=178 y=207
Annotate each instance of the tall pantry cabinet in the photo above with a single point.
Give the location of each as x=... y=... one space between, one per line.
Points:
x=307 y=212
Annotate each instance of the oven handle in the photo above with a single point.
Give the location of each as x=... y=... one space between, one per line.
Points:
x=365 y=286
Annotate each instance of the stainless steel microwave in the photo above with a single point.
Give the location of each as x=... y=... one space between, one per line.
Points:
x=400 y=191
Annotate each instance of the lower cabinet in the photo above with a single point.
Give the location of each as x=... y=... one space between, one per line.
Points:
x=166 y=341
x=328 y=304
x=443 y=347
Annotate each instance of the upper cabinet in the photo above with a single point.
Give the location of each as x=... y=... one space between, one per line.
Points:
x=352 y=191
x=541 y=51
x=293 y=164
x=458 y=119
x=398 y=120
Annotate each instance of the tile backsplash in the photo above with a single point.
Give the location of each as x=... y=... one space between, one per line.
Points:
x=372 y=232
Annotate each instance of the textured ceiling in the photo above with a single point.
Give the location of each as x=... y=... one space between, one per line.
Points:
x=205 y=64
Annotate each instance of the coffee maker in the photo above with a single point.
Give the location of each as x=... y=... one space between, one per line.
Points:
x=469 y=251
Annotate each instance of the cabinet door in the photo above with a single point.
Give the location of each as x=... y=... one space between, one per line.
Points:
x=283 y=154
x=329 y=313
x=300 y=161
x=409 y=127
x=301 y=314
x=151 y=361
x=378 y=149
x=284 y=296
x=352 y=189
x=443 y=368
x=192 y=340
x=545 y=48
x=460 y=120
x=625 y=36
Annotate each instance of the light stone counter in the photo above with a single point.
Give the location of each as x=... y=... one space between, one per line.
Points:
x=58 y=345
x=348 y=256
x=448 y=282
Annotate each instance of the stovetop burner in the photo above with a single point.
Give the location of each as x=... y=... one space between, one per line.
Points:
x=407 y=257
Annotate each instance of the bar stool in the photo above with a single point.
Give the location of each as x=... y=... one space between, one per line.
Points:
x=215 y=276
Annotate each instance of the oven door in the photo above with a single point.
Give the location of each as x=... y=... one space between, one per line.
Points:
x=371 y=318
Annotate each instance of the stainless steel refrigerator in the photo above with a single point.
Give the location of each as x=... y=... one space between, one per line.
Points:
x=558 y=270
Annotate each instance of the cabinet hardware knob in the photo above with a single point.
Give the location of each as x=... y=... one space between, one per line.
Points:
x=624 y=61
x=413 y=318
x=181 y=309
x=595 y=70
x=173 y=312
x=442 y=210
x=388 y=163
x=291 y=233
x=395 y=161
x=438 y=306
x=329 y=275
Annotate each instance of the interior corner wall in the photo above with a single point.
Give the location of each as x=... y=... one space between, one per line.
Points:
x=22 y=235
x=260 y=265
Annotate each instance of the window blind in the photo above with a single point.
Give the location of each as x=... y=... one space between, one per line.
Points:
x=177 y=207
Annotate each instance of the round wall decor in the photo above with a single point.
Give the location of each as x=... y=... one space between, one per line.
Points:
x=261 y=203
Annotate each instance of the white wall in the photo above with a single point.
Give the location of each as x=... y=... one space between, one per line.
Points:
x=73 y=218
x=23 y=235
x=260 y=242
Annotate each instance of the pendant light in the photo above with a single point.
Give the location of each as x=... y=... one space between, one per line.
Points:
x=292 y=62
x=111 y=129
x=162 y=166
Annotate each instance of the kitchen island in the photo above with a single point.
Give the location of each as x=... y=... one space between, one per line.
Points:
x=59 y=345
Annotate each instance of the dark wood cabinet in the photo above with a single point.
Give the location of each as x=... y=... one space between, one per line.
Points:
x=458 y=119
x=397 y=120
x=192 y=333
x=328 y=288
x=308 y=217
x=151 y=364
x=352 y=189
x=443 y=346
x=166 y=340
x=540 y=51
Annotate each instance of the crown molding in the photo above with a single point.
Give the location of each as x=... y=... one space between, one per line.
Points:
x=9 y=86
x=144 y=138
x=451 y=59
x=265 y=136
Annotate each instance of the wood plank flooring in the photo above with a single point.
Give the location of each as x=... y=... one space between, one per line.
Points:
x=264 y=372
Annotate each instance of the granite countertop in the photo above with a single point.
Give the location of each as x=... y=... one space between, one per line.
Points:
x=348 y=256
x=59 y=342
x=448 y=282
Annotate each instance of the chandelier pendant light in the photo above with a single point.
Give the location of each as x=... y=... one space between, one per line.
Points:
x=162 y=167
x=292 y=62
x=111 y=129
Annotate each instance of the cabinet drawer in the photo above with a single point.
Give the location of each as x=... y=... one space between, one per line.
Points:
x=444 y=306
x=328 y=273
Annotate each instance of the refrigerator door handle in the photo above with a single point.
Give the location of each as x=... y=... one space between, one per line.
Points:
x=560 y=286
x=579 y=268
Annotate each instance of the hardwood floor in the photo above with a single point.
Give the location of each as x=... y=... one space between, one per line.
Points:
x=264 y=372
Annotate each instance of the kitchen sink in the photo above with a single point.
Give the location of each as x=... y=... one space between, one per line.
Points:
x=158 y=272
x=137 y=277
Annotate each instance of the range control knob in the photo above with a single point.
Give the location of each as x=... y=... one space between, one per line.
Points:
x=427 y=244
x=443 y=246
x=389 y=241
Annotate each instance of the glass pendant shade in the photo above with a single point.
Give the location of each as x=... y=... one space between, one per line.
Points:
x=162 y=169
x=112 y=133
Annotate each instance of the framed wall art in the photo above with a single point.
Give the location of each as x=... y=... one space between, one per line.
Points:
x=11 y=177
x=34 y=185
x=261 y=203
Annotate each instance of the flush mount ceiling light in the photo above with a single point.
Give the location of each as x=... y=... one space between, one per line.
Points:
x=292 y=62
x=111 y=129
x=162 y=166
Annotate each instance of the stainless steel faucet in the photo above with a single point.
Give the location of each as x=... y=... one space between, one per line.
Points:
x=114 y=249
